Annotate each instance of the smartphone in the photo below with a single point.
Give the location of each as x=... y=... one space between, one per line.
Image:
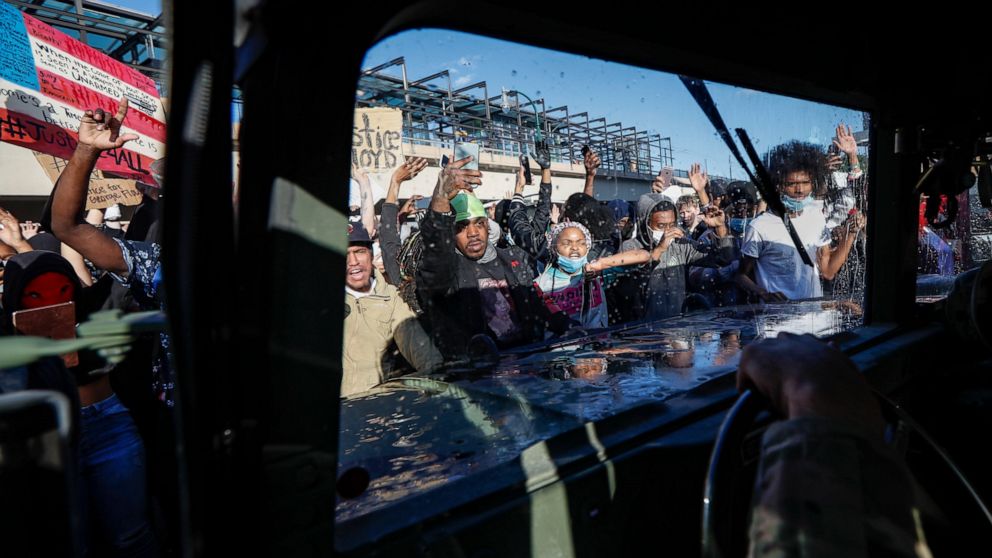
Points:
x=463 y=150
x=525 y=162
x=666 y=176
x=423 y=203
x=444 y=161
x=585 y=150
x=54 y=322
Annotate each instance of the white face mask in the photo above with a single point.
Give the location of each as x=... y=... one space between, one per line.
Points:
x=656 y=235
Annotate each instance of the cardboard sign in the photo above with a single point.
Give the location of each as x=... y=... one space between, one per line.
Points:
x=103 y=191
x=54 y=322
x=377 y=139
x=48 y=80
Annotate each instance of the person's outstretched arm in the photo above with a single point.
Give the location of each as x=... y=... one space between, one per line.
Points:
x=389 y=234
x=591 y=161
x=98 y=132
x=529 y=233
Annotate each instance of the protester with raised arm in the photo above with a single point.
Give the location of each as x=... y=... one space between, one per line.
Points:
x=389 y=233
x=471 y=290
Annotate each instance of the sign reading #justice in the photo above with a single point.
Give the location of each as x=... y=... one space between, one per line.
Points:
x=47 y=81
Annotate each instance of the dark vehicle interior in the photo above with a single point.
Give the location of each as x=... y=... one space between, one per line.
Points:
x=260 y=369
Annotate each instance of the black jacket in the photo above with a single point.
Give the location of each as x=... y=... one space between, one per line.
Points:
x=448 y=291
x=529 y=233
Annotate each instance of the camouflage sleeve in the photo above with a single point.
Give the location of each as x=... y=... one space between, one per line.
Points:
x=825 y=489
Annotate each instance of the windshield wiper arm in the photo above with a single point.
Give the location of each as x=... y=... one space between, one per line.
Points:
x=762 y=181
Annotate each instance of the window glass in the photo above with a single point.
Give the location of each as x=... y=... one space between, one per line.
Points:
x=487 y=312
x=955 y=235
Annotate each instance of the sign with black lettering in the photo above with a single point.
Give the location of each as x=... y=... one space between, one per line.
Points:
x=48 y=80
x=103 y=191
x=377 y=139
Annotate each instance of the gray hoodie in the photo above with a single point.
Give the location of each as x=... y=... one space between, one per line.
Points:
x=663 y=285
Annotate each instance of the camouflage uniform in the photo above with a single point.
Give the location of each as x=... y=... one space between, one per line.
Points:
x=826 y=489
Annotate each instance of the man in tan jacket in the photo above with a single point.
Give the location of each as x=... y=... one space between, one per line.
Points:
x=375 y=317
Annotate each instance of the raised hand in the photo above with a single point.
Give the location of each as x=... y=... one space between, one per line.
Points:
x=845 y=141
x=714 y=217
x=360 y=174
x=660 y=182
x=833 y=161
x=10 y=230
x=410 y=206
x=29 y=229
x=542 y=155
x=409 y=169
x=100 y=131
x=454 y=179
x=591 y=161
x=697 y=177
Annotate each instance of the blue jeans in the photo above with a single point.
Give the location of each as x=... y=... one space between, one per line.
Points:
x=113 y=482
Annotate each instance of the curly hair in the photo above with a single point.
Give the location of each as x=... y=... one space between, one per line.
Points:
x=798 y=156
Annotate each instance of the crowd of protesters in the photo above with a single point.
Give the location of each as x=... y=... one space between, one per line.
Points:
x=453 y=280
x=67 y=265
x=469 y=277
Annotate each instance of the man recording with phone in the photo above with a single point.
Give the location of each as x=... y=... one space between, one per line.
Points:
x=660 y=289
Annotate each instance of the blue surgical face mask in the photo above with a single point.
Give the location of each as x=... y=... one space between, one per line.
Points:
x=738 y=224
x=794 y=205
x=571 y=265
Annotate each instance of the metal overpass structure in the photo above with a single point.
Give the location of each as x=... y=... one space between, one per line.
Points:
x=505 y=123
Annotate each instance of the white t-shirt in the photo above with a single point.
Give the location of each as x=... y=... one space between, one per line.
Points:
x=779 y=267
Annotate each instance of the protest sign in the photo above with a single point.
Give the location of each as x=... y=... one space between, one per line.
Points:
x=48 y=80
x=377 y=138
x=103 y=192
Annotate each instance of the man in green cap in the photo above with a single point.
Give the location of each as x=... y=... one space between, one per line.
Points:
x=467 y=286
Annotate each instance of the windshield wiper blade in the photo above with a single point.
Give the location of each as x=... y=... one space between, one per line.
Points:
x=697 y=88
x=772 y=196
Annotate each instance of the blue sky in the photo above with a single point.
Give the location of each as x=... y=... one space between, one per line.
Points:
x=648 y=99
x=152 y=7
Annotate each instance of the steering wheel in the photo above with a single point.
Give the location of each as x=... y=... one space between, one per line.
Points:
x=724 y=526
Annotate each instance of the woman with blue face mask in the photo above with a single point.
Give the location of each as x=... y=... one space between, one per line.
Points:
x=573 y=284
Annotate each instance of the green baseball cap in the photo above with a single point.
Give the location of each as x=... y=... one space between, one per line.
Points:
x=467 y=206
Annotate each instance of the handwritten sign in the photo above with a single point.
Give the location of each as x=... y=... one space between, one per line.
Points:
x=377 y=138
x=103 y=191
x=48 y=80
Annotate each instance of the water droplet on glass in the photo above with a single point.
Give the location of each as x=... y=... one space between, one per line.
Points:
x=513 y=72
